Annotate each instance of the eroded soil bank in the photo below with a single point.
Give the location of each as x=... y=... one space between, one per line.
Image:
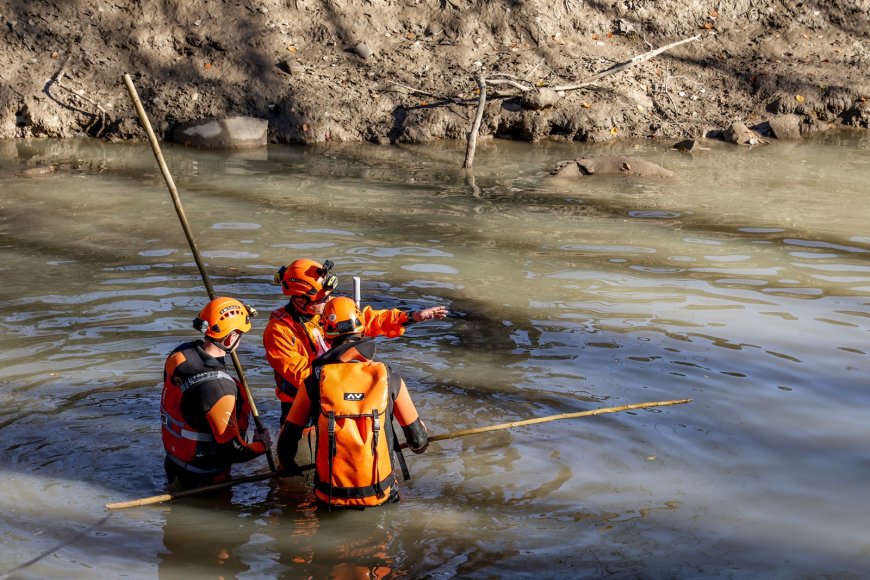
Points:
x=404 y=70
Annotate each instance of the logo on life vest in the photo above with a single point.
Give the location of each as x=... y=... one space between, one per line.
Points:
x=354 y=396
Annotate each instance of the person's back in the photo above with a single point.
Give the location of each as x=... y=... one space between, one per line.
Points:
x=204 y=416
x=353 y=400
x=354 y=463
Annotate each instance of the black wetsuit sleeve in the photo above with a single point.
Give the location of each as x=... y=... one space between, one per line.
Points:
x=237 y=449
x=288 y=444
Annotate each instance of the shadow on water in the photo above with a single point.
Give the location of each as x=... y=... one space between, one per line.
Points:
x=564 y=299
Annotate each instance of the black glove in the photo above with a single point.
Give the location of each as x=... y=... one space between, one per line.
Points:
x=290 y=470
x=417 y=436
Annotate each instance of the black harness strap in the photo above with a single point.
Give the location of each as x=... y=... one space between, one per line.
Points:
x=331 y=431
x=354 y=492
x=394 y=386
x=400 y=457
x=376 y=431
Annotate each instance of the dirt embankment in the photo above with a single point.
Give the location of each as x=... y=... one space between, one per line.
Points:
x=404 y=70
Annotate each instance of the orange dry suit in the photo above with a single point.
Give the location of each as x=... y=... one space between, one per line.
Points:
x=293 y=340
x=353 y=400
x=204 y=418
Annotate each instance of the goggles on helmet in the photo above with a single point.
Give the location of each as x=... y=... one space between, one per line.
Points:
x=307 y=278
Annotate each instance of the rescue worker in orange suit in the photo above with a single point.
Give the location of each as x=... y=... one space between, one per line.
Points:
x=293 y=339
x=353 y=400
x=204 y=413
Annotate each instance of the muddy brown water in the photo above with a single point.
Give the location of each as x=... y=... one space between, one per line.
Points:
x=743 y=283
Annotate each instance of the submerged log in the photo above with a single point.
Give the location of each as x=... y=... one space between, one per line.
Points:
x=38 y=170
x=609 y=165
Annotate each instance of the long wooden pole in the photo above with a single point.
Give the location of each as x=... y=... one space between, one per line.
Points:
x=197 y=490
x=464 y=432
x=185 y=225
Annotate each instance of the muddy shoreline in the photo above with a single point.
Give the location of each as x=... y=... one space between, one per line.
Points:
x=406 y=71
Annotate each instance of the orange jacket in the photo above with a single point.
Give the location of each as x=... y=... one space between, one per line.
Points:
x=292 y=342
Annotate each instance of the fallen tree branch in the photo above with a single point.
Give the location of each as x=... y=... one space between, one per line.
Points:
x=515 y=84
x=525 y=87
x=57 y=80
x=420 y=92
x=627 y=64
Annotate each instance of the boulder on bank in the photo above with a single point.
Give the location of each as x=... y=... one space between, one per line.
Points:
x=539 y=99
x=223 y=133
x=786 y=126
x=610 y=165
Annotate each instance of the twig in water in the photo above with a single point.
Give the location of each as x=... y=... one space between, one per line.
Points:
x=475 y=128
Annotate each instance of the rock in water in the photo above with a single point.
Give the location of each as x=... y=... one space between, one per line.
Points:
x=687 y=145
x=610 y=165
x=223 y=133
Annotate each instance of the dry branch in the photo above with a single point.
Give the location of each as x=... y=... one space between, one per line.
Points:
x=101 y=117
x=475 y=128
x=627 y=64
x=525 y=88
x=424 y=93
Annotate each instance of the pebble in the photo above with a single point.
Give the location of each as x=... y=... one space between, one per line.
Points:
x=363 y=50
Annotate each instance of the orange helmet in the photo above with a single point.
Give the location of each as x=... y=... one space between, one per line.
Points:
x=307 y=278
x=341 y=316
x=222 y=316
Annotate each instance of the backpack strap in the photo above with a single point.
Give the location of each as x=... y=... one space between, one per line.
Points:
x=376 y=432
x=332 y=448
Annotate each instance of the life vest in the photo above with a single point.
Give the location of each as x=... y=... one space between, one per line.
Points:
x=187 y=446
x=354 y=434
x=313 y=347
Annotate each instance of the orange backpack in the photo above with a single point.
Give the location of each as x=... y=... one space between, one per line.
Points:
x=354 y=435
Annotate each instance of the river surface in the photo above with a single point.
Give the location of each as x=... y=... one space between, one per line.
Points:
x=742 y=283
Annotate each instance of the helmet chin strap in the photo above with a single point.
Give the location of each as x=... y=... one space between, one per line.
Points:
x=221 y=343
x=301 y=304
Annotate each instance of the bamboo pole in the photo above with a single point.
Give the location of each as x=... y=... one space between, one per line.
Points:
x=464 y=432
x=197 y=490
x=185 y=225
x=576 y=415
